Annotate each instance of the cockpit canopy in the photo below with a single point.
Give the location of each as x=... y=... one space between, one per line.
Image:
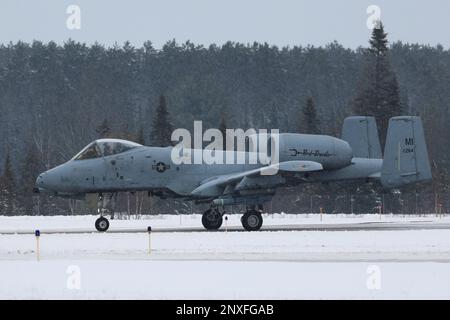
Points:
x=105 y=147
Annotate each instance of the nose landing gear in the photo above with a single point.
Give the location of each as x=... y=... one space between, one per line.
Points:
x=101 y=224
x=106 y=204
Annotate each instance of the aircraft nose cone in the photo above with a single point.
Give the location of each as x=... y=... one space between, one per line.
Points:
x=51 y=180
x=46 y=181
x=40 y=184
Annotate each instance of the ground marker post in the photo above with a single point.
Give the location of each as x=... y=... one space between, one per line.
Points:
x=226 y=224
x=149 y=231
x=321 y=212
x=37 y=233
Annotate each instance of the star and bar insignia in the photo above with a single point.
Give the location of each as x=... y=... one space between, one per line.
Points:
x=160 y=167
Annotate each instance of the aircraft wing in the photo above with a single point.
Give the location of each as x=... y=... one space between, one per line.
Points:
x=214 y=184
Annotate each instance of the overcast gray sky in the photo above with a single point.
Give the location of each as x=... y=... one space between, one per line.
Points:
x=279 y=22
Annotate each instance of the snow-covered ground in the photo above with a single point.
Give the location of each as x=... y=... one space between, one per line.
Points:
x=241 y=265
x=21 y=223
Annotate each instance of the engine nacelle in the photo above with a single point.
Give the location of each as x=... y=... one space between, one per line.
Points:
x=331 y=152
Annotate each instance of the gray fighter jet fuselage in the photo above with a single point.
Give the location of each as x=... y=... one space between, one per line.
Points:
x=108 y=166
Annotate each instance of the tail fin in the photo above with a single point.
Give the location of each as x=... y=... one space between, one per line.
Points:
x=405 y=154
x=362 y=135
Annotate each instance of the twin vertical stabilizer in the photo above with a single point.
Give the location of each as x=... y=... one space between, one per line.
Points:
x=362 y=135
x=405 y=154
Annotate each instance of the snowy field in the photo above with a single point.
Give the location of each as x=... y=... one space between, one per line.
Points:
x=27 y=223
x=370 y=264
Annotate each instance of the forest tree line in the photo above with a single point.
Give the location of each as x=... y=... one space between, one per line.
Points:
x=55 y=99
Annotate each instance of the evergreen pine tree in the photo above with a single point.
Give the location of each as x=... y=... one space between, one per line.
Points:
x=273 y=117
x=309 y=121
x=378 y=41
x=7 y=189
x=30 y=170
x=378 y=91
x=103 y=130
x=223 y=130
x=162 y=128
x=140 y=138
x=8 y=175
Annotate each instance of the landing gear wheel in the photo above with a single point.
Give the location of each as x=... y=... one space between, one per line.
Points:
x=252 y=220
x=102 y=224
x=212 y=219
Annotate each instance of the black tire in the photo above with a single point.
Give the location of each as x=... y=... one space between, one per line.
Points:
x=252 y=220
x=212 y=219
x=102 y=224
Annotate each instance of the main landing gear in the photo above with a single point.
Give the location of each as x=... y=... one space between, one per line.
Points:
x=212 y=219
x=252 y=219
x=106 y=204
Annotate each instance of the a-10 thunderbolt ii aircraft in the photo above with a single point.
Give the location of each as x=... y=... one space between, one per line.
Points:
x=108 y=166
